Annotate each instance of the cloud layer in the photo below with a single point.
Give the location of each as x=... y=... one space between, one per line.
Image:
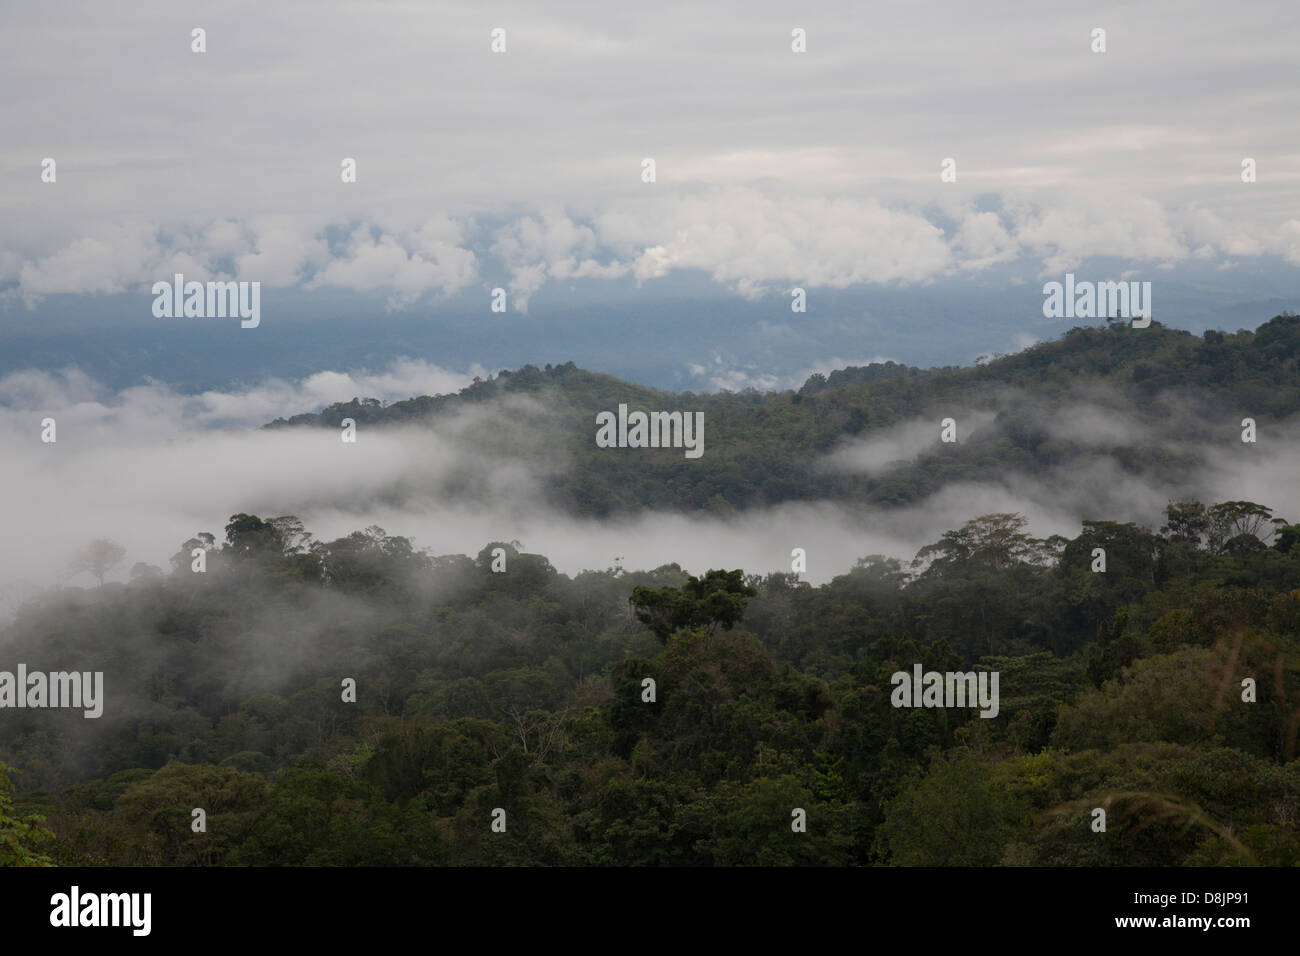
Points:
x=523 y=168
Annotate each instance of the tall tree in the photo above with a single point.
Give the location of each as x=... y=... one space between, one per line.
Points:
x=718 y=598
x=99 y=557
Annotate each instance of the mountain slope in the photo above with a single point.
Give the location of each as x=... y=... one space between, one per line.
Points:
x=1151 y=400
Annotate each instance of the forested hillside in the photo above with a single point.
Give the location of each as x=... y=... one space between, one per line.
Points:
x=1178 y=391
x=522 y=689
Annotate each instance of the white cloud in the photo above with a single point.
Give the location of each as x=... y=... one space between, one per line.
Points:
x=1065 y=231
x=549 y=246
x=749 y=241
x=115 y=258
x=273 y=250
x=385 y=264
x=983 y=241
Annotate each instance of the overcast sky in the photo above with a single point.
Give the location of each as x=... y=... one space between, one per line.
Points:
x=773 y=167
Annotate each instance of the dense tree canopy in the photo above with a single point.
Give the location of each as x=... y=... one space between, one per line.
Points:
x=527 y=691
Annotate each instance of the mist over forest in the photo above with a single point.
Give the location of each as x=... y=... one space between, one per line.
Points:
x=499 y=589
x=1112 y=422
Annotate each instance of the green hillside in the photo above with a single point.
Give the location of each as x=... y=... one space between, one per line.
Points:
x=763 y=448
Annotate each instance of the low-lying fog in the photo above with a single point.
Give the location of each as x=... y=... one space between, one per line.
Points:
x=149 y=468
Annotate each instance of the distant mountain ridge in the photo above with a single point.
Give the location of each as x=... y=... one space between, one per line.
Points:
x=1012 y=412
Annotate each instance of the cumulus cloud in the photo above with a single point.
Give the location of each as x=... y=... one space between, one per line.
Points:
x=550 y=246
x=273 y=250
x=1066 y=231
x=982 y=241
x=747 y=240
x=109 y=261
x=384 y=263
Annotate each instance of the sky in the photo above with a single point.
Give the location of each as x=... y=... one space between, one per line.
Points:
x=522 y=170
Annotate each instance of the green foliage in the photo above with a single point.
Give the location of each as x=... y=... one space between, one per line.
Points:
x=20 y=834
x=953 y=816
x=716 y=599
